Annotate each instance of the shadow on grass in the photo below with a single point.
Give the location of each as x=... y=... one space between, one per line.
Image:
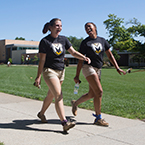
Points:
x=25 y=125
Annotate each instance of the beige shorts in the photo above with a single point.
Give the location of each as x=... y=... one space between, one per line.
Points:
x=49 y=73
x=88 y=70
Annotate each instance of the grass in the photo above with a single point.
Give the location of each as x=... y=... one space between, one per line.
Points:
x=122 y=95
x=1 y=143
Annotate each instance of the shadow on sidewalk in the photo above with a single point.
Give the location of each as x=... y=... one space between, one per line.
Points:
x=25 y=125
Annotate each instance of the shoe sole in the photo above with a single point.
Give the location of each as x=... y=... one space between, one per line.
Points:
x=101 y=124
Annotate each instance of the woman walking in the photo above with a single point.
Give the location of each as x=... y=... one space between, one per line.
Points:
x=51 y=52
x=93 y=47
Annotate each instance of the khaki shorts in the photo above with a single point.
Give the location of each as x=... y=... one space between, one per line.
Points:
x=49 y=73
x=88 y=70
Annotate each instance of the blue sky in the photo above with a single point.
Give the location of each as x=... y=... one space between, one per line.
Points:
x=26 y=18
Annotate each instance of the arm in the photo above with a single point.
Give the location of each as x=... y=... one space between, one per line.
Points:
x=42 y=57
x=78 y=55
x=79 y=66
x=113 y=61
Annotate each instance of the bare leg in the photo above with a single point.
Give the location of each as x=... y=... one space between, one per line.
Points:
x=46 y=103
x=95 y=85
x=55 y=86
x=85 y=97
x=95 y=91
x=82 y=99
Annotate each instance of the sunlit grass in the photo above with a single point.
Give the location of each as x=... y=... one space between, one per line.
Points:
x=122 y=95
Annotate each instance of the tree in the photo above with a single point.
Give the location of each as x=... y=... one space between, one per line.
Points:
x=124 y=38
x=10 y=60
x=22 y=59
x=19 y=38
x=113 y=25
x=137 y=29
x=117 y=57
x=75 y=42
x=35 y=59
x=119 y=36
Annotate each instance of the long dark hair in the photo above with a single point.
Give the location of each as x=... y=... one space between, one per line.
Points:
x=92 y=24
x=51 y=23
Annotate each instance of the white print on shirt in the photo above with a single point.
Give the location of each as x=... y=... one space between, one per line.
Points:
x=97 y=47
x=57 y=48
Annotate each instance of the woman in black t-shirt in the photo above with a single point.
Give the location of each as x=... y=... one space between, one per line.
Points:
x=93 y=47
x=51 y=52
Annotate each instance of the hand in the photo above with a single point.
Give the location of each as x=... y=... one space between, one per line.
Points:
x=121 y=71
x=37 y=81
x=88 y=60
x=76 y=79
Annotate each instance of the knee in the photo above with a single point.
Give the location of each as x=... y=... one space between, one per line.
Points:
x=58 y=97
x=99 y=93
x=90 y=95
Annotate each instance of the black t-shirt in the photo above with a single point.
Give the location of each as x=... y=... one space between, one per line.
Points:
x=55 y=51
x=94 y=49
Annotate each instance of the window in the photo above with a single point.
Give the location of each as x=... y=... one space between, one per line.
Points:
x=14 y=48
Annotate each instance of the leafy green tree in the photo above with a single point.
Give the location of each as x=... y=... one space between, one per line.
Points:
x=22 y=58
x=117 y=57
x=19 y=38
x=75 y=42
x=113 y=25
x=35 y=59
x=128 y=45
x=124 y=38
x=119 y=36
x=137 y=29
x=10 y=60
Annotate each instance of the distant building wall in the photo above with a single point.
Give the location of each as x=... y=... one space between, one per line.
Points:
x=17 y=55
x=2 y=51
x=124 y=60
x=6 y=51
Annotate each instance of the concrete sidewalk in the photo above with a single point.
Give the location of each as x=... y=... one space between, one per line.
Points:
x=19 y=125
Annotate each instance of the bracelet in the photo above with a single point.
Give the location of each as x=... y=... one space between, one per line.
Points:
x=118 y=69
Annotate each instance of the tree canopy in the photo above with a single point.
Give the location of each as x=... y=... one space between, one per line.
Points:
x=75 y=42
x=19 y=38
x=123 y=38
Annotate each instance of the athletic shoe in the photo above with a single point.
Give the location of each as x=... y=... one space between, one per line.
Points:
x=42 y=117
x=68 y=126
x=101 y=122
x=74 y=108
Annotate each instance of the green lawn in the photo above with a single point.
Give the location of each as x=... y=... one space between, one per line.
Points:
x=123 y=95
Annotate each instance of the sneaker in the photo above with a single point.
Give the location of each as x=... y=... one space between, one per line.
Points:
x=42 y=117
x=68 y=126
x=74 y=108
x=101 y=122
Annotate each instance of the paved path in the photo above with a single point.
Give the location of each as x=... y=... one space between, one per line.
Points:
x=20 y=126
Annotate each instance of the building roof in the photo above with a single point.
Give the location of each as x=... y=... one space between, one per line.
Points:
x=21 y=45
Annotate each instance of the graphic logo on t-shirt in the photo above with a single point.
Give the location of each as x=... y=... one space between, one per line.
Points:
x=57 y=48
x=97 y=47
